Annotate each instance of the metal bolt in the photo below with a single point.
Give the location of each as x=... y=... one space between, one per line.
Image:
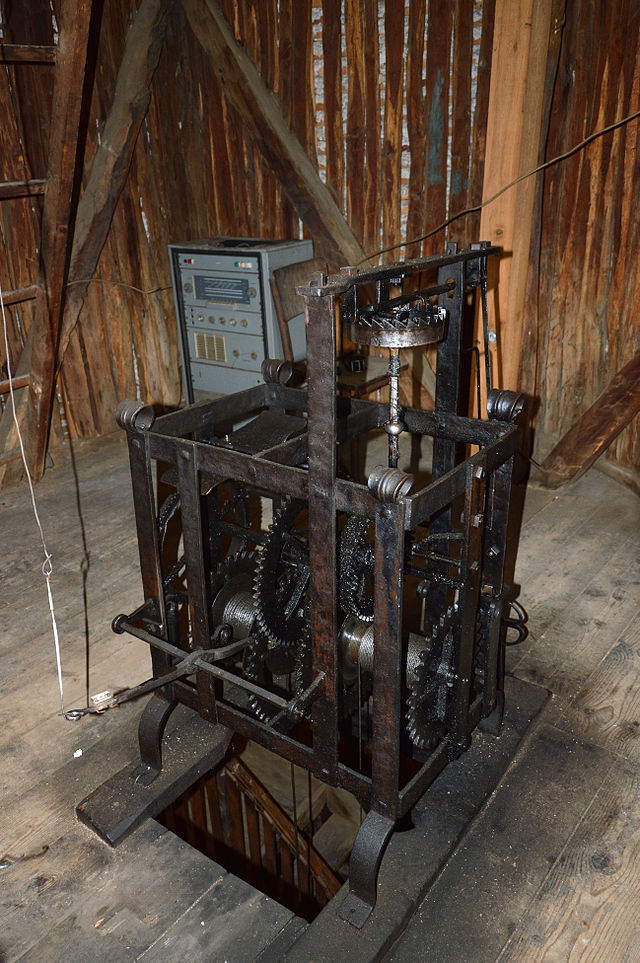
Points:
x=493 y=336
x=476 y=521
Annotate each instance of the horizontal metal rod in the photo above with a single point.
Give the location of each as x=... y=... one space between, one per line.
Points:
x=202 y=662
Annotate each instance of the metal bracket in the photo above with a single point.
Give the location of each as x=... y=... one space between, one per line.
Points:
x=366 y=856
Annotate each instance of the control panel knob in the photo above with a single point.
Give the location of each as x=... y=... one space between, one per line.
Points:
x=233 y=322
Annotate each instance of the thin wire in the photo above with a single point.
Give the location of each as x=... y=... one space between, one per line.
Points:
x=123 y=284
x=503 y=190
x=47 y=565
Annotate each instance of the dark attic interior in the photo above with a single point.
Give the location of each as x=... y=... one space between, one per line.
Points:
x=319 y=497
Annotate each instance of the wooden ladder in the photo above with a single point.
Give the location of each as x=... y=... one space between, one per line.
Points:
x=34 y=374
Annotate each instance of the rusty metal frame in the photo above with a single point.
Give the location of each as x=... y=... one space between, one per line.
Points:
x=306 y=468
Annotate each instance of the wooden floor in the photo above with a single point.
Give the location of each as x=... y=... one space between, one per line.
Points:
x=549 y=869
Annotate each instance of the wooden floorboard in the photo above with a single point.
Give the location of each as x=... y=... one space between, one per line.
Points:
x=80 y=899
x=587 y=907
x=547 y=871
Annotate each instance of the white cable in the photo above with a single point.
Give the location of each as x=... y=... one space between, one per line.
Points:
x=47 y=565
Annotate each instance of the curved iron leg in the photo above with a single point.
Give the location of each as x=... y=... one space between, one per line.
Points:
x=366 y=856
x=150 y=732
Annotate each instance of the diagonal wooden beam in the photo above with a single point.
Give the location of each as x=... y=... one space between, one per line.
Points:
x=64 y=161
x=596 y=429
x=261 y=114
x=109 y=167
x=110 y=164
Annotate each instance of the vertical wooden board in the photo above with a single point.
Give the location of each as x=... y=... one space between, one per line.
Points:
x=461 y=117
x=416 y=125
x=520 y=44
x=438 y=45
x=392 y=143
x=332 y=75
x=303 y=124
x=286 y=94
x=373 y=183
x=582 y=319
x=355 y=126
x=480 y=118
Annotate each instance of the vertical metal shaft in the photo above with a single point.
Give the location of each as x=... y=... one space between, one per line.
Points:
x=394 y=426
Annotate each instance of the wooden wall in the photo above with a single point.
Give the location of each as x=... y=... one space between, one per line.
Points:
x=587 y=323
x=394 y=116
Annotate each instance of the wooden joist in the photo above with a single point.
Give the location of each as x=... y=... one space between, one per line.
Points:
x=596 y=429
x=20 y=381
x=11 y=189
x=262 y=116
x=19 y=295
x=110 y=164
x=22 y=53
x=57 y=218
x=520 y=44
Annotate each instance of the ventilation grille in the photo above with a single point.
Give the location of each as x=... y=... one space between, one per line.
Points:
x=210 y=347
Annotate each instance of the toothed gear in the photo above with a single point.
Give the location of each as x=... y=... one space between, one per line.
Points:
x=232 y=593
x=281 y=579
x=255 y=670
x=356 y=568
x=427 y=701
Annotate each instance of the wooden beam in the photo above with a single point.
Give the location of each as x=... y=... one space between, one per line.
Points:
x=11 y=189
x=110 y=164
x=596 y=428
x=20 y=381
x=22 y=53
x=518 y=66
x=64 y=159
x=262 y=117
x=19 y=295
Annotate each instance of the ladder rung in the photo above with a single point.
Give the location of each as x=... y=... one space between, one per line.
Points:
x=20 y=381
x=20 y=295
x=23 y=53
x=21 y=189
x=9 y=456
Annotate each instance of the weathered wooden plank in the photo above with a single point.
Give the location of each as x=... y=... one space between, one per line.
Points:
x=332 y=75
x=437 y=97
x=372 y=183
x=606 y=709
x=260 y=113
x=504 y=858
x=67 y=138
x=587 y=905
x=356 y=124
x=416 y=124
x=32 y=188
x=392 y=135
x=596 y=429
x=251 y=920
x=22 y=53
x=461 y=117
x=521 y=39
x=478 y=147
x=110 y=164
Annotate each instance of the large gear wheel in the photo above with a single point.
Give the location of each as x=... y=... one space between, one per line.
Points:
x=356 y=568
x=429 y=689
x=282 y=577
